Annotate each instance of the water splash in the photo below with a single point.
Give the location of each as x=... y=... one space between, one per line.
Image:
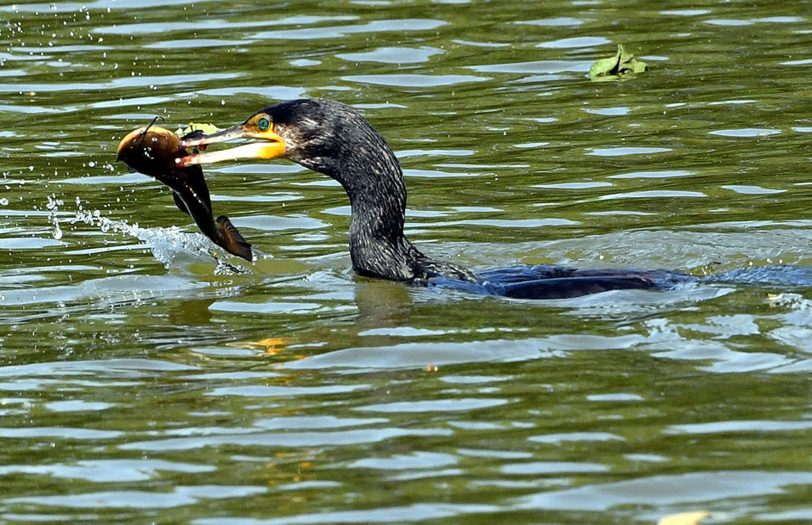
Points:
x=166 y=244
x=53 y=206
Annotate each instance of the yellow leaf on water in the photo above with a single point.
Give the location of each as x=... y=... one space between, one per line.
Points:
x=684 y=518
x=271 y=345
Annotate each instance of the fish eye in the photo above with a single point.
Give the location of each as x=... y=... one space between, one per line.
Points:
x=264 y=124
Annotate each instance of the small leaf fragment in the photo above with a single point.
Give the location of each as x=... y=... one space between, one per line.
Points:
x=604 y=66
x=616 y=66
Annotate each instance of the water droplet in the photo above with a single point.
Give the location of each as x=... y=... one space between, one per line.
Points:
x=4 y=202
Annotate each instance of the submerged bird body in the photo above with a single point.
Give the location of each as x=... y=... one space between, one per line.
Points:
x=561 y=282
x=334 y=139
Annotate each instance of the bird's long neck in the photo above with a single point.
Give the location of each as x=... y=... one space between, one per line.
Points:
x=371 y=175
x=373 y=180
x=367 y=168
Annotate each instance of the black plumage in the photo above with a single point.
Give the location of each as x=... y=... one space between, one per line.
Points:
x=334 y=139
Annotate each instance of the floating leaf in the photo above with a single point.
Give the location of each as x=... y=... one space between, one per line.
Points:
x=614 y=67
x=684 y=518
x=271 y=345
x=196 y=126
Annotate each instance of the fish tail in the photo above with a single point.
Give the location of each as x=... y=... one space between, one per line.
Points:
x=230 y=239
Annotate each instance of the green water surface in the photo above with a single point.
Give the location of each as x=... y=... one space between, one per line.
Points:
x=143 y=379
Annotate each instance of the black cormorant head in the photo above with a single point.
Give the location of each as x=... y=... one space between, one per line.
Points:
x=322 y=135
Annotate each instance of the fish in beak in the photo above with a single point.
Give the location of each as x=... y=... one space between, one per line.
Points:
x=157 y=152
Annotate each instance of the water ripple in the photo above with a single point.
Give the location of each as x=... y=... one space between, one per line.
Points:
x=107 y=470
x=720 y=427
x=136 y=499
x=575 y=42
x=376 y=26
x=411 y=80
x=283 y=439
x=745 y=132
x=667 y=490
x=443 y=405
x=415 y=512
x=393 y=55
x=626 y=150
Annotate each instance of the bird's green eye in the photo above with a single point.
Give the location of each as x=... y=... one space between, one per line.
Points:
x=263 y=124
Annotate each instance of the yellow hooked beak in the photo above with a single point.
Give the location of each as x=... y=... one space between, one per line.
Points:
x=268 y=145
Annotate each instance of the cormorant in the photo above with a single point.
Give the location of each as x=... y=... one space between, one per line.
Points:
x=334 y=139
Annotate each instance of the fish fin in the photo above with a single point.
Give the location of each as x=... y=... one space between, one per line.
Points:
x=230 y=239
